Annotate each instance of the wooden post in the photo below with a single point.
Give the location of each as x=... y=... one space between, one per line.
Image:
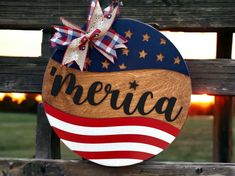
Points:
x=223 y=129
x=46 y=47
x=47 y=142
x=222 y=132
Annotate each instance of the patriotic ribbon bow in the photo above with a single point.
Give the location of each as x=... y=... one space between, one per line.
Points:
x=97 y=34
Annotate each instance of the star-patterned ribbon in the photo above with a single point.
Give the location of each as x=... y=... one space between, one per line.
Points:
x=97 y=34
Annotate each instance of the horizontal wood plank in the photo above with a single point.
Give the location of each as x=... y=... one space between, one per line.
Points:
x=60 y=167
x=212 y=76
x=187 y=15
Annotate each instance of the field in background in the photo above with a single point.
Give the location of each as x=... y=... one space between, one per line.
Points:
x=17 y=139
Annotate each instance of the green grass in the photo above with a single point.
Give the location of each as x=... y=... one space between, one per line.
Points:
x=193 y=144
x=17 y=139
x=17 y=135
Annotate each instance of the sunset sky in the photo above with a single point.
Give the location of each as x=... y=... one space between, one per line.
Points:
x=191 y=45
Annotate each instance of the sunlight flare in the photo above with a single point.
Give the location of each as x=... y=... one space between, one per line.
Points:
x=202 y=99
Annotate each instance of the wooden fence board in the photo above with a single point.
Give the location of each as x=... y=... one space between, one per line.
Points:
x=208 y=76
x=11 y=167
x=201 y=15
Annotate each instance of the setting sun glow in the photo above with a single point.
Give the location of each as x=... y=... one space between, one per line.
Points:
x=202 y=99
x=15 y=97
x=20 y=97
x=38 y=98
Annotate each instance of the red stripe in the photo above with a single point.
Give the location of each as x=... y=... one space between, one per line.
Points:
x=118 y=121
x=115 y=155
x=111 y=138
x=123 y=38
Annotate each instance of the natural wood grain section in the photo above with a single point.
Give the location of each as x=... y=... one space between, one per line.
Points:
x=201 y=15
x=10 y=167
x=21 y=74
x=161 y=83
x=212 y=76
x=215 y=77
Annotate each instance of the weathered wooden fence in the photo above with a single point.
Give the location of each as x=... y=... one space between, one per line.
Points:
x=215 y=77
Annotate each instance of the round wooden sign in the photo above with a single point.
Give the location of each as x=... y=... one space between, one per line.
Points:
x=121 y=113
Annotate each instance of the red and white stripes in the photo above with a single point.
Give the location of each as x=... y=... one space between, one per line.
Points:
x=118 y=141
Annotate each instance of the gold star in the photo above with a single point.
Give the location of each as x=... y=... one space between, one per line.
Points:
x=105 y=64
x=162 y=41
x=128 y=34
x=177 y=60
x=125 y=51
x=146 y=37
x=122 y=66
x=160 y=57
x=142 y=54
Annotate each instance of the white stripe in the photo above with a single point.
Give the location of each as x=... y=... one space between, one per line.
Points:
x=116 y=162
x=96 y=131
x=119 y=146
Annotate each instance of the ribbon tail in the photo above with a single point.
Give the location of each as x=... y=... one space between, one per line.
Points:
x=64 y=35
x=91 y=10
x=110 y=8
x=120 y=46
x=77 y=55
x=71 y=25
x=109 y=57
x=108 y=21
x=68 y=55
x=95 y=15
